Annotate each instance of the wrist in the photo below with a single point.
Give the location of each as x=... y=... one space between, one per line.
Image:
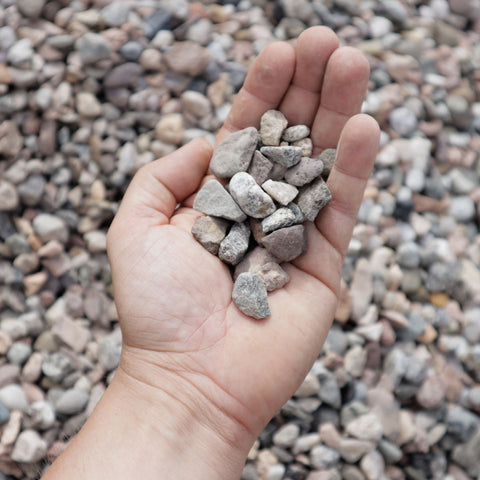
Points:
x=154 y=430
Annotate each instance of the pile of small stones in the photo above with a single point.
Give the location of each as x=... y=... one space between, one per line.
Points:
x=274 y=186
x=91 y=90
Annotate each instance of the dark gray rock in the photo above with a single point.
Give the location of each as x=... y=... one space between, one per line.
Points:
x=214 y=200
x=234 y=153
x=210 y=231
x=250 y=196
x=307 y=170
x=234 y=246
x=288 y=243
x=250 y=295
x=285 y=156
x=313 y=198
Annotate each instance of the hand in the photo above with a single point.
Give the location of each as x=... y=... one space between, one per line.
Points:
x=198 y=380
x=174 y=298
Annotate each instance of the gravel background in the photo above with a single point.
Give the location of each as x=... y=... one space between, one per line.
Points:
x=90 y=91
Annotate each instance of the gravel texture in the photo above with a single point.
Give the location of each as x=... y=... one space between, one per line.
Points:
x=92 y=90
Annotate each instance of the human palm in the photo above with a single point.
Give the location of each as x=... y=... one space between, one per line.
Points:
x=174 y=298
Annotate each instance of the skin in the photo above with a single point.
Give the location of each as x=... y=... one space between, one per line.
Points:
x=198 y=380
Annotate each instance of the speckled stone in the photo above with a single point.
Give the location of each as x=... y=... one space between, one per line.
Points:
x=313 y=198
x=283 y=217
x=234 y=246
x=282 y=192
x=214 y=200
x=250 y=295
x=307 y=170
x=210 y=231
x=234 y=153
x=285 y=156
x=295 y=133
x=250 y=196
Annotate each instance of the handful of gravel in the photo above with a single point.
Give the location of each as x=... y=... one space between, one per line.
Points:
x=274 y=187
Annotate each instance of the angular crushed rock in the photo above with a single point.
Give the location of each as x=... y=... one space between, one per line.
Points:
x=235 y=244
x=210 y=232
x=295 y=133
x=272 y=125
x=264 y=176
x=307 y=170
x=250 y=196
x=283 y=217
x=282 y=192
x=313 y=198
x=285 y=156
x=328 y=158
x=213 y=199
x=287 y=243
x=260 y=167
x=250 y=295
x=234 y=153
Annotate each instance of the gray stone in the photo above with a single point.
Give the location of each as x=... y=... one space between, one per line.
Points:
x=462 y=208
x=31 y=190
x=8 y=196
x=109 y=351
x=214 y=200
x=18 y=353
x=373 y=466
x=306 y=145
x=285 y=156
x=403 y=121
x=21 y=53
x=7 y=37
x=461 y=423
x=272 y=125
x=250 y=196
x=390 y=452
x=295 y=133
x=13 y=397
x=283 y=217
x=250 y=295
x=210 y=231
x=234 y=153
x=307 y=170
x=187 y=58
x=329 y=391
x=234 y=246
x=287 y=243
x=282 y=192
x=124 y=75
x=351 y=472
x=42 y=415
x=323 y=458
x=115 y=14
x=132 y=50
x=408 y=255
x=467 y=455
x=260 y=167
x=92 y=48
x=30 y=8
x=313 y=198
x=11 y=141
x=50 y=227
x=262 y=263
x=286 y=435
x=71 y=402
x=328 y=159
x=299 y=216
x=352 y=449
x=30 y=447
x=366 y=427
x=4 y=414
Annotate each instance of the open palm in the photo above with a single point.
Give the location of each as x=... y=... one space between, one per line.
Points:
x=174 y=298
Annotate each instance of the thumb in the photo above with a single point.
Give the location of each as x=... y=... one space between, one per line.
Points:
x=157 y=188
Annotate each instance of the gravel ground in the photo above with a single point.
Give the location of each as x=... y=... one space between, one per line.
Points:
x=92 y=90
